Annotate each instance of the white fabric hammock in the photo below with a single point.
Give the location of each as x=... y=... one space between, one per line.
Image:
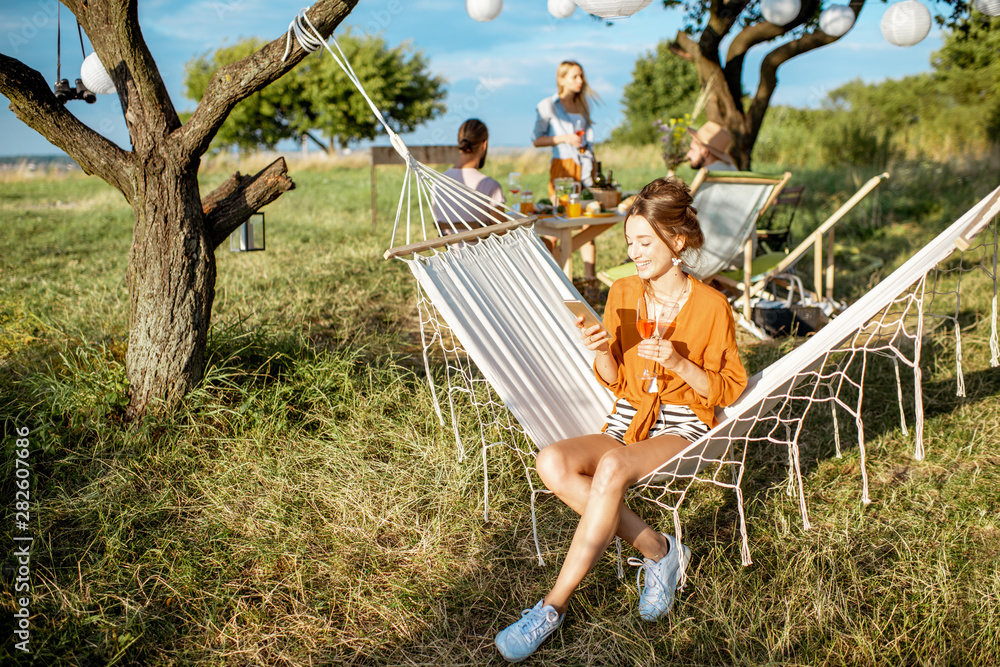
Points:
x=500 y=296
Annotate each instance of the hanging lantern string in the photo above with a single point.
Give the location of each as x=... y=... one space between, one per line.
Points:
x=58 y=42
x=311 y=40
x=79 y=31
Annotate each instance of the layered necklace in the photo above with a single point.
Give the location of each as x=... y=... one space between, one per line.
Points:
x=670 y=306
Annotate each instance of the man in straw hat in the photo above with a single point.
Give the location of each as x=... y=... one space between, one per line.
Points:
x=709 y=146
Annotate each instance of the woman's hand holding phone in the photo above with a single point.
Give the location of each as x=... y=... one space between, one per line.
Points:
x=595 y=337
x=592 y=332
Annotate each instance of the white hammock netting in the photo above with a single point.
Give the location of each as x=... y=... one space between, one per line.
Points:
x=513 y=401
x=514 y=373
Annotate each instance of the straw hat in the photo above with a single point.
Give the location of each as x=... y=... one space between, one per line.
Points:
x=715 y=139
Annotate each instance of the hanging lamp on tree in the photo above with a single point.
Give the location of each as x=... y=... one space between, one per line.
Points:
x=562 y=9
x=780 y=12
x=988 y=7
x=95 y=76
x=483 y=10
x=906 y=23
x=836 y=20
x=612 y=9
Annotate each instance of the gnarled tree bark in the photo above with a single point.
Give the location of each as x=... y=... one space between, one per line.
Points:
x=171 y=273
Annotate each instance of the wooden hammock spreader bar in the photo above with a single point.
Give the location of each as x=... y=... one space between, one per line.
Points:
x=468 y=235
x=964 y=241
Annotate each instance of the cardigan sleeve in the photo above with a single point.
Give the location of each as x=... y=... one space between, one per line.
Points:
x=544 y=113
x=612 y=322
x=726 y=376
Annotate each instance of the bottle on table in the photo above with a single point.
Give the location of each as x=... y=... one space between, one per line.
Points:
x=599 y=180
x=615 y=185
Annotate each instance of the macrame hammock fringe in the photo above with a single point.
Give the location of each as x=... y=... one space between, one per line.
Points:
x=514 y=372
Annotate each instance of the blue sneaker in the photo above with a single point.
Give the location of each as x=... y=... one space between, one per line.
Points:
x=657 y=596
x=519 y=640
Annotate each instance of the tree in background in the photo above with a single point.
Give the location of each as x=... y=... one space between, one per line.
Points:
x=721 y=73
x=968 y=68
x=317 y=100
x=171 y=267
x=663 y=86
x=952 y=110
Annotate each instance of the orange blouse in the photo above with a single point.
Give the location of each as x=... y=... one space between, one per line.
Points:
x=705 y=334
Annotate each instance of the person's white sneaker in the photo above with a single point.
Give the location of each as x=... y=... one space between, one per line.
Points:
x=519 y=640
x=656 y=597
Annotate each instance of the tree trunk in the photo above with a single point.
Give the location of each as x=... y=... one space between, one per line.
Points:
x=171 y=280
x=171 y=274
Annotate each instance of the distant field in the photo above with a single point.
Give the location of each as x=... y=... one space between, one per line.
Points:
x=304 y=507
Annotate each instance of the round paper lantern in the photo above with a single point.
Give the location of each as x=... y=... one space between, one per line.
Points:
x=836 y=20
x=780 y=12
x=612 y=9
x=562 y=9
x=906 y=23
x=95 y=77
x=483 y=10
x=988 y=7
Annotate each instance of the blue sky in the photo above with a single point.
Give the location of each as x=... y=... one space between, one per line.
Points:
x=496 y=71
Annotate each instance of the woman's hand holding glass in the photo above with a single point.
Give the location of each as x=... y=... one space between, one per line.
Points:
x=574 y=140
x=661 y=351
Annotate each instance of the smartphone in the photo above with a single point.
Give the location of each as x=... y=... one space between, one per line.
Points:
x=580 y=309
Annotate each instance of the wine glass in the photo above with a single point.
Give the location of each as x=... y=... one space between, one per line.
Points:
x=647 y=324
x=580 y=127
x=514 y=182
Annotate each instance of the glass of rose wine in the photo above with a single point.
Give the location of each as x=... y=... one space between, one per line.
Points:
x=581 y=130
x=514 y=182
x=646 y=323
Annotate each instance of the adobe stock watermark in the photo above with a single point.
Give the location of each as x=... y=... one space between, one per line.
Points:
x=30 y=24
x=467 y=106
x=223 y=9
x=380 y=19
x=23 y=540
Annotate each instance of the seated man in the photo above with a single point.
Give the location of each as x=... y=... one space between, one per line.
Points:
x=709 y=148
x=449 y=214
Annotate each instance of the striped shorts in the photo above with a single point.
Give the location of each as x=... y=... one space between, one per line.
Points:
x=672 y=420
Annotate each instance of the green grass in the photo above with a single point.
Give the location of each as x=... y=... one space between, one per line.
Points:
x=304 y=507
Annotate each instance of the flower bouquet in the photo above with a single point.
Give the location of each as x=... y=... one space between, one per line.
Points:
x=674 y=140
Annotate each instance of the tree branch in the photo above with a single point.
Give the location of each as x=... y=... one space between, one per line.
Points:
x=37 y=107
x=782 y=54
x=232 y=203
x=721 y=19
x=237 y=81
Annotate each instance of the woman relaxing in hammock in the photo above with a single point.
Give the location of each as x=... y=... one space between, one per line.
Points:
x=700 y=369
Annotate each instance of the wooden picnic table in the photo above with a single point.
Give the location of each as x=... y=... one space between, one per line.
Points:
x=572 y=233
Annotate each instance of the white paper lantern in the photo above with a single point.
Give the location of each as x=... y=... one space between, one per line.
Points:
x=612 y=9
x=836 y=20
x=562 y=9
x=95 y=77
x=906 y=23
x=483 y=10
x=988 y=7
x=780 y=12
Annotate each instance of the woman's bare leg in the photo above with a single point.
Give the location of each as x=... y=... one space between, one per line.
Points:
x=618 y=468
x=567 y=467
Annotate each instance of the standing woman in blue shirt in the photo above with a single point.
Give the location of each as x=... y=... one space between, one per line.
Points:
x=559 y=122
